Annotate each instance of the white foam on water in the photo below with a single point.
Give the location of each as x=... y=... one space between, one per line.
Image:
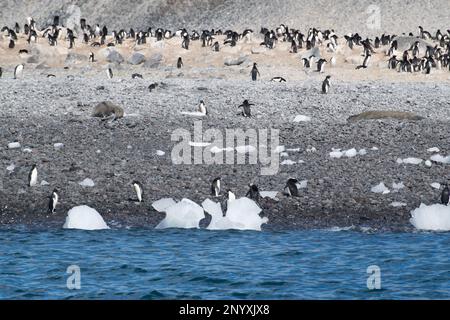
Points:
x=242 y=214
x=84 y=218
x=380 y=188
x=435 y=217
x=185 y=214
x=87 y=183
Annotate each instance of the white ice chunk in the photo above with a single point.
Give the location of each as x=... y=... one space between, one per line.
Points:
x=87 y=183
x=13 y=145
x=435 y=217
x=293 y=150
x=311 y=150
x=302 y=184
x=409 y=161
x=284 y=154
x=44 y=183
x=242 y=214
x=288 y=162
x=351 y=153
x=433 y=150
x=58 y=145
x=186 y=214
x=398 y=204
x=337 y=154
x=163 y=204
x=280 y=149
x=362 y=152
x=160 y=153
x=27 y=150
x=398 y=186
x=428 y=163
x=440 y=159
x=374 y=149
x=381 y=188
x=302 y=118
x=11 y=167
x=269 y=194
x=84 y=218
x=435 y=185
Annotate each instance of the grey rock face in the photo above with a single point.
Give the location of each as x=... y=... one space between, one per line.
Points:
x=154 y=61
x=114 y=57
x=136 y=58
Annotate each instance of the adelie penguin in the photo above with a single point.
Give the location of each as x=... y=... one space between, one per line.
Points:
x=54 y=198
x=253 y=192
x=255 y=72
x=33 y=176
x=91 y=57
x=215 y=187
x=365 y=62
x=278 y=79
x=291 y=188
x=109 y=73
x=202 y=108
x=18 y=71
x=326 y=85
x=321 y=65
x=246 y=110
x=136 y=76
x=230 y=197
x=1 y=72
x=445 y=195
x=139 y=190
x=179 y=63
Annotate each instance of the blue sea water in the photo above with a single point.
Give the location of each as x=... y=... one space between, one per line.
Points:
x=200 y=264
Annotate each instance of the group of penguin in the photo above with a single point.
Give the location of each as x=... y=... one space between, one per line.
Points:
x=291 y=189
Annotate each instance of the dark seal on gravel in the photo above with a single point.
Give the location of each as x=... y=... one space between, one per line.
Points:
x=106 y=109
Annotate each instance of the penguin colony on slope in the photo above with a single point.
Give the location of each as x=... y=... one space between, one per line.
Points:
x=415 y=59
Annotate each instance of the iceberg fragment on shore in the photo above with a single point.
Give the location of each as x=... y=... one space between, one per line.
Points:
x=185 y=214
x=435 y=217
x=84 y=218
x=242 y=214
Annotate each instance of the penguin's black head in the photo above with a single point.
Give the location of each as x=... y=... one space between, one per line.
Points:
x=328 y=77
x=55 y=190
x=134 y=182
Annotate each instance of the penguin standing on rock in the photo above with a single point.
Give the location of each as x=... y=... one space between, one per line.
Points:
x=91 y=57
x=18 y=71
x=109 y=73
x=54 y=198
x=215 y=187
x=291 y=188
x=445 y=195
x=32 y=176
x=179 y=63
x=326 y=85
x=246 y=111
x=255 y=72
x=139 y=190
x=202 y=108
x=253 y=192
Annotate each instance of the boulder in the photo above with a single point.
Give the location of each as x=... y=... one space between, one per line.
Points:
x=235 y=61
x=136 y=58
x=154 y=61
x=114 y=57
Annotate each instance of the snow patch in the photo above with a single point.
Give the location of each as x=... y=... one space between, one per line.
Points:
x=436 y=185
x=398 y=204
x=440 y=159
x=414 y=161
x=301 y=118
x=13 y=145
x=433 y=150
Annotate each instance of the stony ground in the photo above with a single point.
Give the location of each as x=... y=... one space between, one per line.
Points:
x=39 y=112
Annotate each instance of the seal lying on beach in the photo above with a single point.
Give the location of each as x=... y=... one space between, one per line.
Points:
x=108 y=110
